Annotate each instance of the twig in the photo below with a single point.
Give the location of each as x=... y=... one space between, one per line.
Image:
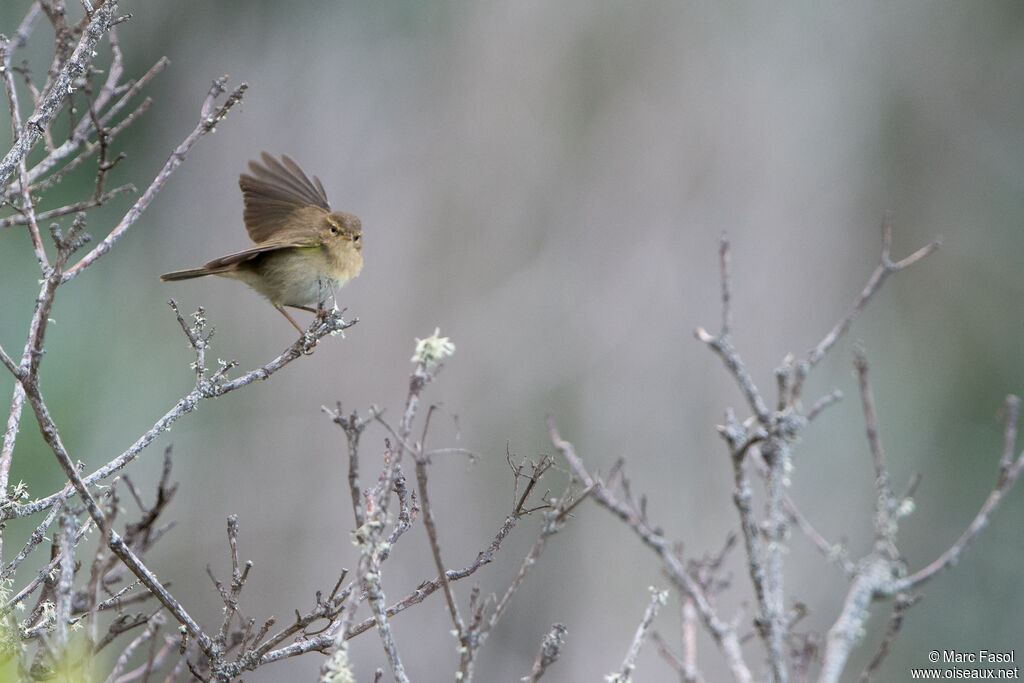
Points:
x=722 y=343
x=43 y=216
x=408 y=509
x=556 y=515
x=59 y=89
x=65 y=583
x=670 y=657
x=33 y=541
x=903 y=603
x=885 y=530
x=879 y=576
x=319 y=329
x=832 y=552
x=435 y=547
x=113 y=539
x=238 y=579
x=549 y=652
x=824 y=402
x=885 y=268
x=375 y=596
x=1009 y=470
x=370 y=540
x=723 y=633
x=690 y=672
x=326 y=641
x=353 y=427
x=152 y=626
x=771 y=434
x=208 y=121
x=625 y=674
x=41 y=576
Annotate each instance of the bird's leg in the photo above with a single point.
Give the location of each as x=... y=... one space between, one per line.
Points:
x=290 y=319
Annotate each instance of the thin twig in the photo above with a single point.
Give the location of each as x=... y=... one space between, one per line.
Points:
x=1009 y=470
x=319 y=329
x=670 y=657
x=880 y=576
x=207 y=122
x=625 y=674
x=903 y=603
x=833 y=552
x=22 y=219
x=689 y=671
x=59 y=89
x=435 y=545
x=884 y=502
x=885 y=268
x=113 y=539
x=549 y=652
x=370 y=539
x=79 y=137
x=152 y=626
x=722 y=632
x=378 y=605
x=824 y=402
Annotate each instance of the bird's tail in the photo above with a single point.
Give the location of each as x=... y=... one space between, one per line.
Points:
x=186 y=274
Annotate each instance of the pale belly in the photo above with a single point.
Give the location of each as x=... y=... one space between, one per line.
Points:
x=291 y=277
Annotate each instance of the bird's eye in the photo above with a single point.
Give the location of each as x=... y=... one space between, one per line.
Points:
x=334 y=229
x=355 y=238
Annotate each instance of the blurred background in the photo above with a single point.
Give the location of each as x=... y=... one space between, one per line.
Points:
x=547 y=183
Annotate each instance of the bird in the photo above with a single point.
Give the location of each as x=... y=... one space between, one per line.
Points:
x=303 y=252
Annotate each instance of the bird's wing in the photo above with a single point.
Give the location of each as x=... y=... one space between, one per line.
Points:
x=226 y=262
x=276 y=196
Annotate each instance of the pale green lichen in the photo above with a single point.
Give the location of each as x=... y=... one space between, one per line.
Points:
x=336 y=669
x=433 y=349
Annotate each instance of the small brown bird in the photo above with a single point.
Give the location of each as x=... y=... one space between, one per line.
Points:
x=304 y=251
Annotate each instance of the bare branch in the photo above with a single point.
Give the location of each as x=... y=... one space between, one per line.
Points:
x=353 y=427
x=903 y=603
x=725 y=277
x=723 y=633
x=319 y=328
x=832 y=552
x=556 y=515
x=59 y=89
x=207 y=122
x=113 y=539
x=658 y=598
x=885 y=530
x=22 y=219
x=689 y=671
x=435 y=544
x=65 y=583
x=722 y=343
x=885 y=268
x=153 y=624
x=375 y=596
x=1008 y=473
x=238 y=579
x=824 y=402
x=879 y=575
x=549 y=652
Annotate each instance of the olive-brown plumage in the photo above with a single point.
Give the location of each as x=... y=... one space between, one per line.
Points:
x=303 y=251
